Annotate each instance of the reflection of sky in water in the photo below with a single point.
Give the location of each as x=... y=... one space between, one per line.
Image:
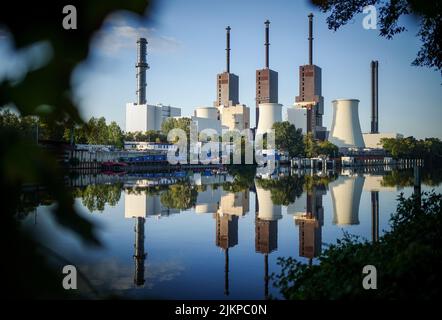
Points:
x=182 y=258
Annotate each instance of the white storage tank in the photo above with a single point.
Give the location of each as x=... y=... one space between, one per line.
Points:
x=269 y=113
x=206 y=112
x=346 y=130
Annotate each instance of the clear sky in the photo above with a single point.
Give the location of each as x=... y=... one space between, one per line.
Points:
x=187 y=49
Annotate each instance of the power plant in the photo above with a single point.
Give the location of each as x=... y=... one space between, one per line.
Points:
x=345 y=130
x=232 y=114
x=140 y=116
x=266 y=80
x=309 y=105
x=227 y=84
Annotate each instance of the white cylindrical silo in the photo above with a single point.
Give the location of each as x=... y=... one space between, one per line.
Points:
x=269 y=113
x=346 y=129
x=346 y=195
x=206 y=112
x=267 y=210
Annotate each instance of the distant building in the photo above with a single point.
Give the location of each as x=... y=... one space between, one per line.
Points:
x=144 y=117
x=140 y=116
x=270 y=114
x=373 y=140
x=235 y=117
x=309 y=105
x=227 y=84
x=346 y=129
x=266 y=80
x=144 y=146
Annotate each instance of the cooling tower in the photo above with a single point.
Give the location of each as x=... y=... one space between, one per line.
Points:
x=346 y=130
x=207 y=113
x=269 y=113
x=267 y=209
x=346 y=195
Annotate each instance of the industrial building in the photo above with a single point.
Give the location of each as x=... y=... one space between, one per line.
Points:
x=207 y=118
x=140 y=116
x=270 y=113
x=346 y=130
x=373 y=139
x=266 y=80
x=233 y=115
x=309 y=105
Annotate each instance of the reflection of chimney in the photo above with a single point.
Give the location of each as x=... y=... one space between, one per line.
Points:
x=226 y=272
x=267 y=44
x=266 y=276
x=375 y=216
x=374 y=98
x=139 y=255
x=228 y=49
x=141 y=66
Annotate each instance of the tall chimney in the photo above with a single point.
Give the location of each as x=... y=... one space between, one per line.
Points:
x=228 y=49
x=141 y=66
x=310 y=38
x=374 y=97
x=267 y=23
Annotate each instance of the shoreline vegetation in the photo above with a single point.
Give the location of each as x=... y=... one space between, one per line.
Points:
x=407 y=259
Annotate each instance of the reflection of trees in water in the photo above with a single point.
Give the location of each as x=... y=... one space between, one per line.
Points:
x=96 y=196
x=180 y=196
x=243 y=178
x=431 y=176
x=285 y=190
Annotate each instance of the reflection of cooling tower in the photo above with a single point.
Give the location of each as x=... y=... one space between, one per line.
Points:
x=346 y=195
x=346 y=130
x=267 y=210
x=269 y=113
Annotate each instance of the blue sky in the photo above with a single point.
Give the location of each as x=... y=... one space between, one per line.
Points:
x=186 y=51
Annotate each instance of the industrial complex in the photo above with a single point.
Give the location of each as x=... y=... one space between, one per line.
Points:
x=229 y=114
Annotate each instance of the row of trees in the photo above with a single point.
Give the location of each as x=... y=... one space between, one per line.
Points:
x=291 y=140
x=410 y=147
x=95 y=131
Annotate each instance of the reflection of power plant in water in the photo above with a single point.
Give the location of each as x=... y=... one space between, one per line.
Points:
x=232 y=205
x=266 y=229
x=310 y=223
x=346 y=195
x=375 y=216
x=139 y=254
x=139 y=206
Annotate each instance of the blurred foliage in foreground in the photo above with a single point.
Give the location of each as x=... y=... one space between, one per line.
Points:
x=44 y=91
x=408 y=259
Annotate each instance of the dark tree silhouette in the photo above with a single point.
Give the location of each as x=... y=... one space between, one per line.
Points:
x=428 y=13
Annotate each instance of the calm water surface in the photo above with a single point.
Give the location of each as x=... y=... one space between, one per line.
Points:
x=215 y=236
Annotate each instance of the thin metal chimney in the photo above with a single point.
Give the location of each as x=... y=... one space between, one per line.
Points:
x=228 y=49
x=374 y=98
x=310 y=38
x=267 y=44
x=141 y=66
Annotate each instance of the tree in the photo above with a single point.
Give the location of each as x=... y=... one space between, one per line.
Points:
x=288 y=138
x=310 y=146
x=326 y=148
x=428 y=13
